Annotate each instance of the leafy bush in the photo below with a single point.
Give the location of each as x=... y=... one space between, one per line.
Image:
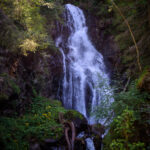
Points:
x=38 y=123
x=131 y=111
x=123 y=132
x=28 y=45
x=133 y=99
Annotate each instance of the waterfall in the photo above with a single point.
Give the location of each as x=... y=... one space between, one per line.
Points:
x=90 y=144
x=85 y=79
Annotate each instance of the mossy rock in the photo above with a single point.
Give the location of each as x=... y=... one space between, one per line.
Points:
x=143 y=83
x=70 y=115
x=78 y=119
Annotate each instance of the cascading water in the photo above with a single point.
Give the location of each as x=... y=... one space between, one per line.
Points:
x=83 y=65
x=85 y=82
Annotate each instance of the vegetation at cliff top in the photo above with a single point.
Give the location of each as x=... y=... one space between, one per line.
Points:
x=26 y=28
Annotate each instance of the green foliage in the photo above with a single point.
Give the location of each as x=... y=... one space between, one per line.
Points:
x=26 y=26
x=132 y=99
x=28 y=45
x=123 y=132
x=136 y=13
x=9 y=35
x=101 y=9
x=119 y=145
x=124 y=124
x=129 y=109
x=35 y=94
x=39 y=122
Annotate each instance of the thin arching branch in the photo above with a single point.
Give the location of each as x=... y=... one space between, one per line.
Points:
x=132 y=35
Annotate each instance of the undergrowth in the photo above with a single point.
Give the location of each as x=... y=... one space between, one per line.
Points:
x=38 y=123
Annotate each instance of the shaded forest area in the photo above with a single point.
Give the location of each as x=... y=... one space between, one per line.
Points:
x=28 y=73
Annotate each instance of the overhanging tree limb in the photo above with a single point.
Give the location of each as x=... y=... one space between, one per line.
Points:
x=132 y=35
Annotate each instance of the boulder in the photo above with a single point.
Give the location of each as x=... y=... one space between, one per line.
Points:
x=78 y=119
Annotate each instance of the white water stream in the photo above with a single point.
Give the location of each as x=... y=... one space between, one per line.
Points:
x=85 y=79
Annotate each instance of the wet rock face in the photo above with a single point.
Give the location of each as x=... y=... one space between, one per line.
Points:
x=103 y=41
x=43 y=71
x=20 y=75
